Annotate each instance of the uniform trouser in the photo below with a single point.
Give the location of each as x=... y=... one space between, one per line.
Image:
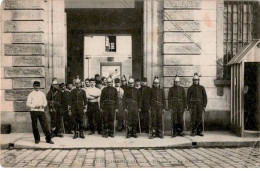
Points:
x=35 y=115
x=77 y=119
x=177 y=118
x=144 y=117
x=108 y=114
x=93 y=114
x=156 y=119
x=56 y=121
x=120 y=116
x=132 y=118
x=67 y=121
x=196 y=118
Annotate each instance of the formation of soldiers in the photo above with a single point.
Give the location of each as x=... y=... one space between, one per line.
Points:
x=119 y=104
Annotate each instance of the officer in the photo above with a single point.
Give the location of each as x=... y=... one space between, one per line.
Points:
x=177 y=104
x=93 y=111
x=36 y=101
x=123 y=82
x=108 y=106
x=132 y=105
x=54 y=104
x=65 y=96
x=197 y=102
x=157 y=107
x=146 y=106
x=120 y=114
x=77 y=104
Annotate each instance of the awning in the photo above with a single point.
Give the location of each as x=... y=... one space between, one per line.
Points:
x=247 y=54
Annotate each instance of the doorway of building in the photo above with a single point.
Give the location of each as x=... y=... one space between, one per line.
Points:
x=252 y=96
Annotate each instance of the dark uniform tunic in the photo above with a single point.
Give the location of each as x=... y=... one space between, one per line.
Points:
x=78 y=100
x=65 y=97
x=54 y=104
x=177 y=103
x=197 y=99
x=108 y=103
x=146 y=106
x=157 y=105
x=132 y=102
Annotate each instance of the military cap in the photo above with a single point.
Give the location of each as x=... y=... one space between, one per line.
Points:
x=54 y=82
x=123 y=78
x=109 y=80
x=156 y=79
x=77 y=81
x=144 y=79
x=117 y=80
x=61 y=85
x=177 y=79
x=196 y=76
x=36 y=83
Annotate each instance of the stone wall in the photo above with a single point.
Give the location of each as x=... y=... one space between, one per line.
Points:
x=190 y=45
x=32 y=42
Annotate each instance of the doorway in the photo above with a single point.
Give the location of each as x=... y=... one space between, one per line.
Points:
x=252 y=96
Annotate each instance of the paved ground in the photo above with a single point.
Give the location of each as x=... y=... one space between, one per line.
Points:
x=211 y=139
x=180 y=158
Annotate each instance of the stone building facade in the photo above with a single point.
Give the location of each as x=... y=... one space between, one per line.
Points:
x=178 y=37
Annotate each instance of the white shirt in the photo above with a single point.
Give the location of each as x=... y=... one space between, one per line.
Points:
x=36 y=98
x=93 y=92
x=121 y=91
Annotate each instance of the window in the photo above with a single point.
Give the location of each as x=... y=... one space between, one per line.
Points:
x=240 y=28
x=110 y=43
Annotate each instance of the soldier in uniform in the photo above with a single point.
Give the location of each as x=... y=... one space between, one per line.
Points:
x=197 y=102
x=124 y=83
x=137 y=84
x=157 y=109
x=65 y=97
x=146 y=106
x=54 y=104
x=177 y=105
x=108 y=106
x=77 y=103
x=120 y=114
x=132 y=105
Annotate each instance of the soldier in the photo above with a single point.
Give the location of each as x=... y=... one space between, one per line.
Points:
x=37 y=102
x=157 y=109
x=65 y=97
x=132 y=105
x=93 y=112
x=137 y=84
x=124 y=83
x=54 y=103
x=177 y=104
x=77 y=104
x=120 y=114
x=104 y=82
x=108 y=106
x=146 y=106
x=197 y=102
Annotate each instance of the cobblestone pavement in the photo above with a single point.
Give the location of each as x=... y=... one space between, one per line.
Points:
x=180 y=158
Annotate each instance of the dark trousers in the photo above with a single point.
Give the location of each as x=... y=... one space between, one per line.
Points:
x=93 y=114
x=120 y=116
x=67 y=121
x=56 y=122
x=132 y=118
x=177 y=118
x=144 y=119
x=156 y=119
x=196 y=118
x=108 y=114
x=77 y=119
x=35 y=115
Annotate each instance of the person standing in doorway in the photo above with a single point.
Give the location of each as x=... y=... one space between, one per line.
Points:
x=197 y=102
x=177 y=105
x=54 y=103
x=77 y=105
x=37 y=101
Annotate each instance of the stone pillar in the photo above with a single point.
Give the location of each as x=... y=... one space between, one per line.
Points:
x=22 y=58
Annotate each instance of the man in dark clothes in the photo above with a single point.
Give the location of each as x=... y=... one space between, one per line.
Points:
x=54 y=103
x=157 y=109
x=177 y=105
x=197 y=102
x=124 y=83
x=65 y=97
x=78 y=104
x=146 y=106
x=108 y=106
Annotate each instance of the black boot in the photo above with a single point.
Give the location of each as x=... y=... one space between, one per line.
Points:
x=81 y=135
x=76 y=135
